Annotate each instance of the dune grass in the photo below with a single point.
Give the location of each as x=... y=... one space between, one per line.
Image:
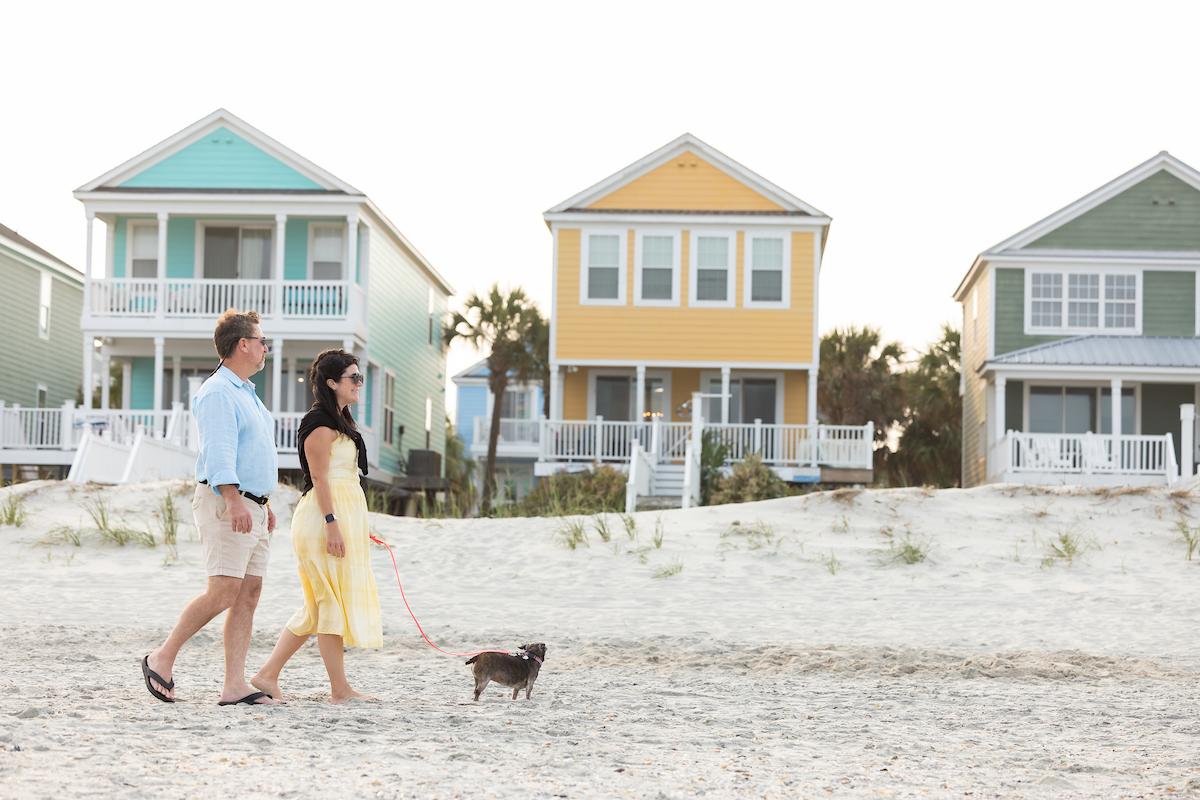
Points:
x=13 y=513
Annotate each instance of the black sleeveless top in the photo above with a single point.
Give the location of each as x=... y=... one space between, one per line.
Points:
x=318 y=418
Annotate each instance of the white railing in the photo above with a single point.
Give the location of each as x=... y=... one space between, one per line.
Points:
x=1088 y=454
x=641 y=476
x=512 y=431
x=600 y=440
x=181 y=298
x=287 y=425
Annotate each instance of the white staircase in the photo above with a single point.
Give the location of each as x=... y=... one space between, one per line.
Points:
x=668 y=481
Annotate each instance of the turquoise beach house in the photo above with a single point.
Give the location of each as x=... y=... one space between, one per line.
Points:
x=221 y=215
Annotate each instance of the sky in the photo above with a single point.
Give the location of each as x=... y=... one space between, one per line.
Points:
x=928 y=131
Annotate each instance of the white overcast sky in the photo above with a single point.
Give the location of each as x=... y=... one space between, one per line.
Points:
x=927 y=131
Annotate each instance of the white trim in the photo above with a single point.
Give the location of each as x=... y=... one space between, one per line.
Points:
x=673 y=149
x=1163 y=260
x=631 y=373
x=38 y=260
x=622 y=266
x=785 y=300
x=730 y=235
x=991 y=348
x=343 y=227
x=1016 y=371
x=387 y=436
x=45 y=300
x=554 y=298
x=818 y=245
x=689 y=219
x=639 y=236
x=1104 y=271
x=201 y=128
x=703 y=364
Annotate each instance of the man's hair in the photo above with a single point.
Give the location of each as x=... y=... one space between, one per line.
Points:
x=232 y=327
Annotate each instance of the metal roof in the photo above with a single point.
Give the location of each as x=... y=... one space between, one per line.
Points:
x=1115 y=351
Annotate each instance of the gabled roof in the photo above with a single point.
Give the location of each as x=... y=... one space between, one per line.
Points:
x=195 y=132
x=1162 y=162
x=790 y=204
x=477 y=372
x=1108 y=351
x=11 y=237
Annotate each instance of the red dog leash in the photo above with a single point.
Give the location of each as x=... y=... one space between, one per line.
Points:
x=428 y=641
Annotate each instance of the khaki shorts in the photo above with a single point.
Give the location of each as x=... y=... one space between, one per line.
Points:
x=227 y=552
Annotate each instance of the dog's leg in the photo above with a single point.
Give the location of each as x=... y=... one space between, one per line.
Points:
x=528 y=689
x=515 y=691
x=479 y=687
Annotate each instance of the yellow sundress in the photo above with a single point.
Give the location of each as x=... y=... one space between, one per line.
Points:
x=339 y=593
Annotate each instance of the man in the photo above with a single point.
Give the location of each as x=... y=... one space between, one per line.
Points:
x=236 y=470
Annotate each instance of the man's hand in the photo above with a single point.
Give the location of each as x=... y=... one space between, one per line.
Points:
x=270 y=520
x=235 y=507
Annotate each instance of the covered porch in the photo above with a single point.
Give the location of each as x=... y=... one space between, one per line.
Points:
x=1094 y=411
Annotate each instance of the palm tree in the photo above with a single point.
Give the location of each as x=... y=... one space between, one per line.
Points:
x=859 y=380
x=500 y=322
x=929 y=449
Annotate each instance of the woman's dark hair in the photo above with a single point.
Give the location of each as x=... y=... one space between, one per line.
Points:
x=330 y=365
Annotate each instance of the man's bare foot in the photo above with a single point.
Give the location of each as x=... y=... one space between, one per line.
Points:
x=268 y=686
x=245 y=690
x=159 y=665
x=352 y=697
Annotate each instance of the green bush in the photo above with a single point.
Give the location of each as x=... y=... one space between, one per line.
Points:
x=750 y=480
x=712 y=457
x=563 y=493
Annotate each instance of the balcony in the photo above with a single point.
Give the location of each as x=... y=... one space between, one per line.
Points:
x=205 y=298
x=519 y=438
x=1084 y=459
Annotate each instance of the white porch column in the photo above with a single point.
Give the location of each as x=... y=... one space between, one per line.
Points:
x=280 y=241
x=159 y=344
x=176 y=379
x=160 y=306
x=1116 y=409
x=105 y=370
x=351 y=248
x=276 y=375
x=639 y=403
x=813 y=430
x=1187 y=441
x=291 y=385
x=87 y=267
x=89 y=378
x=725 y=394
x=556 y=383
x=126 y=383
x=1001 y=407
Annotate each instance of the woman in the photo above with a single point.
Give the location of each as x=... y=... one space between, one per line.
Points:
x=330 y=533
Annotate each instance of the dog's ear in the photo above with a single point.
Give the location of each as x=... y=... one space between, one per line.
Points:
x=525 y=647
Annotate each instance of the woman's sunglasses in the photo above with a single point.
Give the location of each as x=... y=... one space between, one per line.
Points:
x=357 y=378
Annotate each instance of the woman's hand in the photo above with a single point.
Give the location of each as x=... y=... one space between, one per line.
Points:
x=335 y=545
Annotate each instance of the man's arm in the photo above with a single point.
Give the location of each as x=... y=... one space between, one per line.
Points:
x=216 y=419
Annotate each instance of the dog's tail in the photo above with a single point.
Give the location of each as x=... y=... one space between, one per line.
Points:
x=471 y=660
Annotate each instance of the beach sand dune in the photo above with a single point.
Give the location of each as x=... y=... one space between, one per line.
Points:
x=1042 y=644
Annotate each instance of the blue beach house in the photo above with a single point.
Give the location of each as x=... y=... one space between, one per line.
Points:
x=520 y=428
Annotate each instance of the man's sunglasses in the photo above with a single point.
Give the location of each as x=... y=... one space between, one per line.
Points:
x=357 y=378
x=266 y=342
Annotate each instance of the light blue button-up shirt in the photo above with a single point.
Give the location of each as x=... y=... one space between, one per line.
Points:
x=237 y=435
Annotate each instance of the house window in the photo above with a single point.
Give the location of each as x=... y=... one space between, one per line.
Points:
x=328 y=248
x=712 y=269
x=389 y=407
x=44 y=305
x=616 y=397
x=767 y=276
x=237 y=252
x=515 y=405
x=657 y=269
x=1078 y=409
x=1128 y=411
x=603 y=267
x=143 y=250
x=1083 y=301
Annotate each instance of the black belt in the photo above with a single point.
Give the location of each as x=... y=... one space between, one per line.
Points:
x=262 y=501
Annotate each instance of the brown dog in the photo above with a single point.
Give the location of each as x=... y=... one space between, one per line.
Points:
x=518 y=672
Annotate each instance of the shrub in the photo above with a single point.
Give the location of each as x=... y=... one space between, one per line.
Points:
x=712 y=458
x=750 y=480
x=591 y=492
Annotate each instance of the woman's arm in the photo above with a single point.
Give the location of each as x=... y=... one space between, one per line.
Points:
x=317 y=450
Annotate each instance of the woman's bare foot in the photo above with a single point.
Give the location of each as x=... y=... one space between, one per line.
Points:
x=352 y=697
x=271 y=687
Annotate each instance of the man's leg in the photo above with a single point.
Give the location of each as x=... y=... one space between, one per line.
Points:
x=238 y=626
x=220 y=594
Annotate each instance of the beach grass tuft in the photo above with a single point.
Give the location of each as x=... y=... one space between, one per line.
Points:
x=64 y=534
x=669 y=570
x=832 y=563
x=841 y=524
x=572 y=534
x=1064 y=548
x=1190 y=536
x=168 y=519
x=658 y=533
x=630 y=523
x=13 y=512
x=600 y=523
x=756 y=536
x=909 y=551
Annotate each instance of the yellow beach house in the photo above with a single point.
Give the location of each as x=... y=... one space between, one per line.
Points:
x=685 y=300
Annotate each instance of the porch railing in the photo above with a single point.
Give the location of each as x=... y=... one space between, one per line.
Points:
x=512 y=431
x=182 y=298
x=1088 y=453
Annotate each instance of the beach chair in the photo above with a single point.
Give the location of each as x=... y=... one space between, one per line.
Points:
x=1046 y=455
x=1098 y=456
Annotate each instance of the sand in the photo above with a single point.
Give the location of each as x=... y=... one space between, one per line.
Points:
x=792 y=654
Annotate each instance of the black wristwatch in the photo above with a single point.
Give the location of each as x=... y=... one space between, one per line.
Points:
x=330 y=518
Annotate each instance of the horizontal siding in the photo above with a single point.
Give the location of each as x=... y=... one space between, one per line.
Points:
x=976 y=309
x=181 y=248
x=637 y=333
x=686 y=183
x=398 y=318
x=472 y=403
x=1169 y=304
x=221 y=160
x=1010 y=313
x=1159 y=213
x=27 y=359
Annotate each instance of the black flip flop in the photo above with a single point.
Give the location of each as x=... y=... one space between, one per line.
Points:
x=250 y=700
x=148 y=674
